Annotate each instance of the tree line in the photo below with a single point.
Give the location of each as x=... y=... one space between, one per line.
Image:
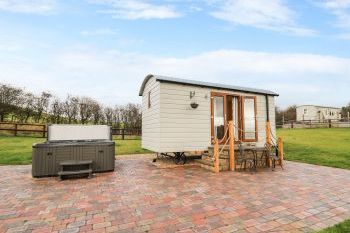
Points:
x=19 y=105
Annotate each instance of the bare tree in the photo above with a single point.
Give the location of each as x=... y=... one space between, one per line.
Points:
x=10 y=98
x=56 y=111
x=109 y=114
x=133 y=112
x=41 y=106
x=71 y=108
x=97 y=112
x=26 y=109
x=23 y=106
x=117 y=116
x=289 y=114
x=85 y=109
x=123 y=116
x=345 y=111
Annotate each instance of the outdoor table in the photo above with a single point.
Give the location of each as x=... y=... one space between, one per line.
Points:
x=254 y=150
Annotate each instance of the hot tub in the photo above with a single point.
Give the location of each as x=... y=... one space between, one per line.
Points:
x=73 y=143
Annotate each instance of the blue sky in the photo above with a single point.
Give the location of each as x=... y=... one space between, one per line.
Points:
x=104 y=48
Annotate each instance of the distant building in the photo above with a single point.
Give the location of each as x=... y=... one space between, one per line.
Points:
x=317 y=113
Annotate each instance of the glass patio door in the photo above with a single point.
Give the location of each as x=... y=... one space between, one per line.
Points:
x=233 y=113
x=218 y=116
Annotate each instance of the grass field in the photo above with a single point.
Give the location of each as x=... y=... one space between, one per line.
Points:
x=18 y=150
x=327 y=147
x=338 y=228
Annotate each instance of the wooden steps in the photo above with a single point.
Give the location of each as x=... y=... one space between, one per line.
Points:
x=207 y=162
x=76 y=172
x=75 y=168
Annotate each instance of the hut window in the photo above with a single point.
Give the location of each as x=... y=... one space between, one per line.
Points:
x=219 y=117
x=149 y=99
x=249 y=119
x=305 y=111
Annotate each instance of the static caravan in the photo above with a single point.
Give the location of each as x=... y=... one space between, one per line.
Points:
x=318 y=113
x=181 y=115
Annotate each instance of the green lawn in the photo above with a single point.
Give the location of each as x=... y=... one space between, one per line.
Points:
x=327 y=147
x=18 y=150
x=130 y=146
x=338 y=228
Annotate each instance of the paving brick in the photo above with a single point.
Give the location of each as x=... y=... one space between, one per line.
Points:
x=76 y=224
x=140 y=197
x=101 y=225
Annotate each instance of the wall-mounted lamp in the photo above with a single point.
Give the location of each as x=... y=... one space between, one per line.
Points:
x=192 y=94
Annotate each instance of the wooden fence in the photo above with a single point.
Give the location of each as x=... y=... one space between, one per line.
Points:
x=16 y=129
x=126 y=132
x=343 y=123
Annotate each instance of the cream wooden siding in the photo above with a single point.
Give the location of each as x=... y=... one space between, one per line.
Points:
x=150 y=116
x=185 y=129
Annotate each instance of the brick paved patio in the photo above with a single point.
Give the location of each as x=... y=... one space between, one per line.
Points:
x=140 y=197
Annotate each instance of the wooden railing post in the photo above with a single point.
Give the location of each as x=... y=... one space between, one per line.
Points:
x=232 y=145
x=280 y=151
x=268 y=140
x=216 y=156
x=44 y=129
x=268 y=132
x=123 y=134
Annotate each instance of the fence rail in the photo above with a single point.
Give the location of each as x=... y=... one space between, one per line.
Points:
x=15 y=128
x=341 y=123
x=126 y=132
x=41 y=129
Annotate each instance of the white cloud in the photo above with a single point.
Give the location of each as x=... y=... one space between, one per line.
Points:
x=272 y=15
x=28 y=6
x=114 y=77
x=99 y=32
x=137 y=9
x=341 y=10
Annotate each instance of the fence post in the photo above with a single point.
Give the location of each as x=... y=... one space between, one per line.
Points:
x=292 y=124
x=216 y=156
x=232 y=145
x=123 y=134
x=16 y=126
x=329 y=123
x=44 y=129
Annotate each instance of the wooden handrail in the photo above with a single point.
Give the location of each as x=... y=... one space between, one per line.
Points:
x=268 y=132
x=230 y=140
x=280 y=151
x=232 y=145
x=268 y=140
x=216 y=156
